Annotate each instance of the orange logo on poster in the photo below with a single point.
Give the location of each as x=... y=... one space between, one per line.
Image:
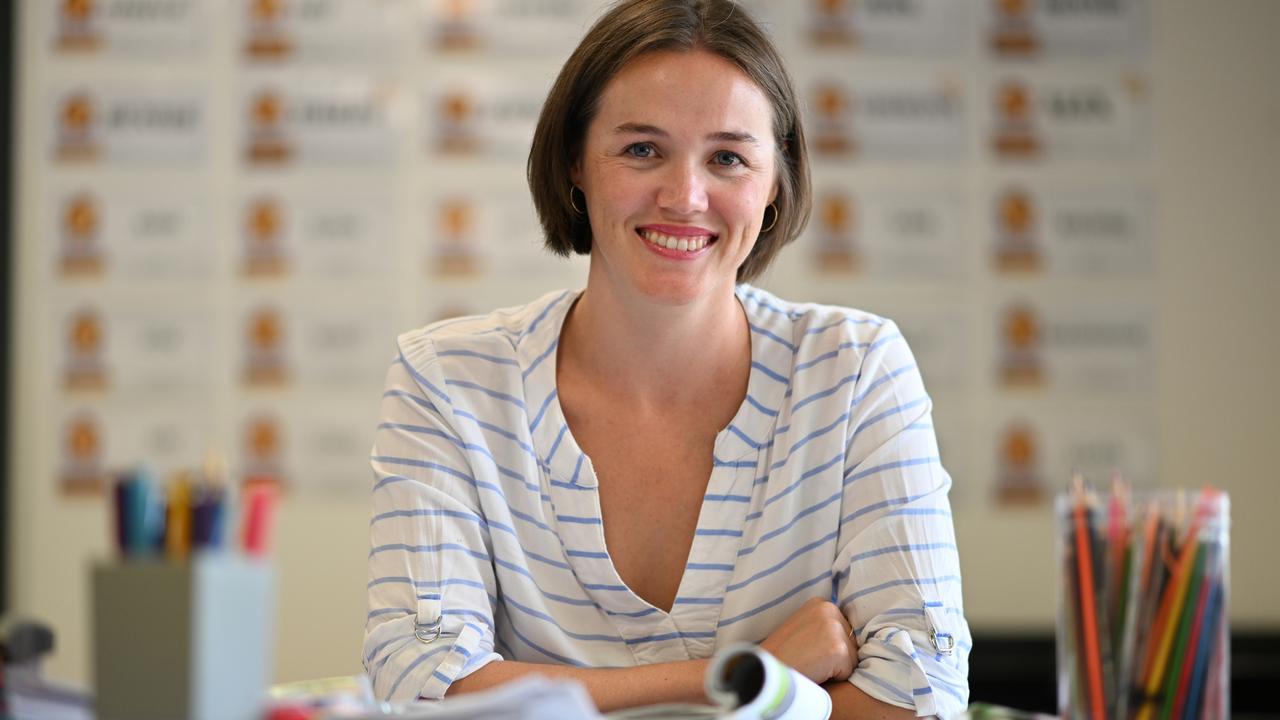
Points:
x=457 y=29
x=268 y=37
x=457 y=116
x=837 y=246
x=268 y=136
x=1021 y=338
x=82 y=472
x=81 y=251
x=449 y=311
x=831 y=122
x=1015 y=121
x=1013 y=32
x=264 y=239
x=78 y=127
x=1019 y=480
x=1016 y=247
x=86 y=341
x=265 y=362
x=456 y=253
x=833 y=23
x=78 y=29
x=263 y=448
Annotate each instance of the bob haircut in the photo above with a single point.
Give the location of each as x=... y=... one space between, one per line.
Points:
x=632 y=28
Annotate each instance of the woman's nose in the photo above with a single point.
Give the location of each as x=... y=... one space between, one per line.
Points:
x=684 y=190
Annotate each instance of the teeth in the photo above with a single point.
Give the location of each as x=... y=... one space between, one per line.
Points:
x=674 y=243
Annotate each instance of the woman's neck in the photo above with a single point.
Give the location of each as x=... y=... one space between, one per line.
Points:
x=646 y=353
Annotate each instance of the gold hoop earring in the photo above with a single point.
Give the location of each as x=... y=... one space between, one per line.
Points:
x=582 y=212
x=775 y=219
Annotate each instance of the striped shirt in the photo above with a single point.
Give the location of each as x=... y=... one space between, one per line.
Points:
x=488 y=544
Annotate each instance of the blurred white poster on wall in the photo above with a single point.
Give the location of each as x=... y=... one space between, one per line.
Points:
x=941 y=341
x=1082 y=347
x=316 y=235
x=307 y=446
x=1095 y=230
x=288 y=31
x=886 y=234
x=107 y=124
x=329 y=452
x=1062 y=116
x=505 y=27
x=895 y=117
x=318 y=119
x=129 y=235
x=469 y=116
x=136 y=348
x=916 y=27
x=344 y=346
x=95 y=441
x=126 y=28
x=491 y=235
x=163 y=348
x=1035 y=449
x=1067 y=28
x=290 y=341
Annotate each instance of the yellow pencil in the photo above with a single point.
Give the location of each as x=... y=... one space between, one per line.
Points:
x=178 y=533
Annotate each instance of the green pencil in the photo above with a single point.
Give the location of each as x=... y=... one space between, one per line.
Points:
x=1185 y=621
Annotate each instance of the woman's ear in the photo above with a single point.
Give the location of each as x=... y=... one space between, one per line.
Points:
x=575 y=172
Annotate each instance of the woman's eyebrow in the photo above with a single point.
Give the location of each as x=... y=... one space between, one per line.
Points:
x=721 y=136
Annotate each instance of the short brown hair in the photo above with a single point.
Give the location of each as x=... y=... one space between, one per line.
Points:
x=632 y=28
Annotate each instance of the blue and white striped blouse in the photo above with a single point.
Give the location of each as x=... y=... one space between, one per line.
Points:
x=487 y=542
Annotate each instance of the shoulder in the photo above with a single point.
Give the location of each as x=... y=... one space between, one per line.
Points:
x=814 y=329
x=450 y=346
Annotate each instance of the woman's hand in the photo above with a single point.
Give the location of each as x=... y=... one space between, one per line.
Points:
x=816 y=641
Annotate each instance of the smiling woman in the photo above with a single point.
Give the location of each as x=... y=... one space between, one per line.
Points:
x=610 y=484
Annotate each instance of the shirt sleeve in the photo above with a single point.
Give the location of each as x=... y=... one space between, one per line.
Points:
x=431 y=582
x=897 y=570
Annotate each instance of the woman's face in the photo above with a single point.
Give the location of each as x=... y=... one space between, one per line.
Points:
x=677 y=167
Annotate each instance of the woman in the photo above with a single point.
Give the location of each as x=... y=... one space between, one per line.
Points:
x=608 y=485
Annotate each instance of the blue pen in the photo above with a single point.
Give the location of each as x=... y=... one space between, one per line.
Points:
x=135 y=516
x=215 y=499
x=147 y=522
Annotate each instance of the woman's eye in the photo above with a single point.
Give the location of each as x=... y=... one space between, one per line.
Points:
x=726 y=158
x=640 y=150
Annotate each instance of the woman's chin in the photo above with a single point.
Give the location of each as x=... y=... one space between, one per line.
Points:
x=673 y=291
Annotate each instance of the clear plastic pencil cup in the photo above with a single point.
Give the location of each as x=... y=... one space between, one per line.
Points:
x=1143 y=630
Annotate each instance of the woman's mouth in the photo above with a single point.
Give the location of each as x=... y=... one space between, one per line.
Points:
x=682 y=243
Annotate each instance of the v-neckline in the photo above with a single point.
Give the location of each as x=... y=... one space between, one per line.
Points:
x=570 y=488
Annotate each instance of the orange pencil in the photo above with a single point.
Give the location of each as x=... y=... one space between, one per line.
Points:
x=1089 y=618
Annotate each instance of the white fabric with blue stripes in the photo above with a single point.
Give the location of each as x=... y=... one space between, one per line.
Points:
x=487 y=541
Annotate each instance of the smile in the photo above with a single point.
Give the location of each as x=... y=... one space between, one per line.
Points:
x=690 y=243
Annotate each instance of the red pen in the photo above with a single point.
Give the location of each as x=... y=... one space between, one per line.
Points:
x=260 y=504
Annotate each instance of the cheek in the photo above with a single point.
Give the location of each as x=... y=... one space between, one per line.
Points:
x=745 y=205
x=618 y=199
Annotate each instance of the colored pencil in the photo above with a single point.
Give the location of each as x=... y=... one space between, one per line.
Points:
x=1089 y=619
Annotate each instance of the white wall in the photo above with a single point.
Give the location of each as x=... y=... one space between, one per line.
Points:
x=1216 y=110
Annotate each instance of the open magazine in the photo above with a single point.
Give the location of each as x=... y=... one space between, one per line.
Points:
x=747 y=683
x=744 y=682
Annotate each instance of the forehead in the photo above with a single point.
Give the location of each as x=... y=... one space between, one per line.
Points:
x=685 y=90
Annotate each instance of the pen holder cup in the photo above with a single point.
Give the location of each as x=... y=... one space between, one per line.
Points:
x=1142 y=606
x=182 y=639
